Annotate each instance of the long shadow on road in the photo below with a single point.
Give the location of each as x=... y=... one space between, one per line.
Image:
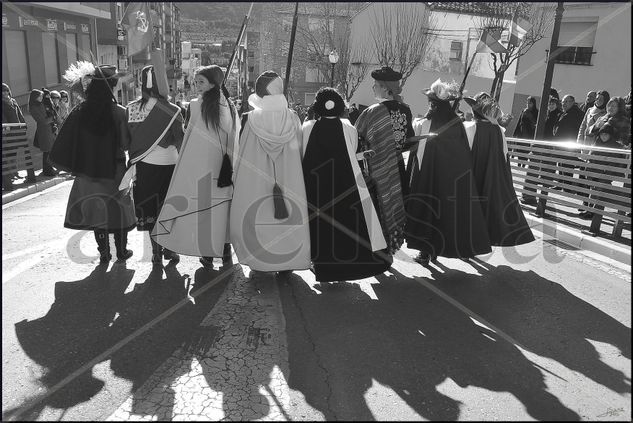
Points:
x=341 y=342
x=542 y=316
x=93 y=320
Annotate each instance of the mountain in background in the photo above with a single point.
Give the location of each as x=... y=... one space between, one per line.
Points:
x=213 y=21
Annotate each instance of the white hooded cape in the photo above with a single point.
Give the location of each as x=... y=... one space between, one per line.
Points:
x=270 y=150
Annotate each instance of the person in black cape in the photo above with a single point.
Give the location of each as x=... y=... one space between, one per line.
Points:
x=91 y=145
x=346 y=239
x=444 y=216
x=493 y=178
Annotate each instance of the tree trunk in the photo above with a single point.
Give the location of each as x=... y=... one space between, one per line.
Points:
x=499 y=78
x=493 y=88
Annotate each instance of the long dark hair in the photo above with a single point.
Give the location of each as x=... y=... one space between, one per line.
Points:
x=147 y=93
x=96 y=111
x=211 y=99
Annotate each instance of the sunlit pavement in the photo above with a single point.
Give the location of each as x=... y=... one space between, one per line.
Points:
x=538 y=332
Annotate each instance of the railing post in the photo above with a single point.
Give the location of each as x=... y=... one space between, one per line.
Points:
x=596 y=222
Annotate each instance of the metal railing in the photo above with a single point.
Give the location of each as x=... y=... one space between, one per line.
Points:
x=16 y=152
x=593 y=179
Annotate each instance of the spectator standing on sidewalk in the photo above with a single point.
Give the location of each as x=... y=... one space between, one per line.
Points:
x=64 y=105
x=11 y=113
x=44 y=134
x=91 y=145
x=589 y=101
x=553 y=113
x=591 y=116
x=566 y=130
x=610 y=130
x=156 y=136
x=527 y=120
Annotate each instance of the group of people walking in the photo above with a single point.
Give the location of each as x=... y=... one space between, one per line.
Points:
x=324 y=194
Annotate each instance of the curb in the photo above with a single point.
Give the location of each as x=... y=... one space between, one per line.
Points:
x=32 y=189
x=577 y=239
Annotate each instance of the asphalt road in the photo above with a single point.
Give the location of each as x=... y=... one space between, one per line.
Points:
x=540 y=332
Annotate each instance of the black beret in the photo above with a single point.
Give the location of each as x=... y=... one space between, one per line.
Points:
x=386 y=74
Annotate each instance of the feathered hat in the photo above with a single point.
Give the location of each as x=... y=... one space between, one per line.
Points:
x=443 y=91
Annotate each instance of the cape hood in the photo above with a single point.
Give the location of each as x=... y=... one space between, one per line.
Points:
x=273 y=122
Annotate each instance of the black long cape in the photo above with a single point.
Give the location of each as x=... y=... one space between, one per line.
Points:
x=83 y=153
x=339 y=241
x=444 y=217
x=505 y=220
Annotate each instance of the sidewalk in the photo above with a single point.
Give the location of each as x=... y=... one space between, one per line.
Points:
x=561 y=222
x=21 y=188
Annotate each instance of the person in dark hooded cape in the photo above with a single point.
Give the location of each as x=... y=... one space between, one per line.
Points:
x=346 y=238
x=493 y=178
x=444 y=216
x=269 y=214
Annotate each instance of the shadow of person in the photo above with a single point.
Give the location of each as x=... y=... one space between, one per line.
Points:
x=543 y=317
x=69 y=339
x=239 y=359
x=406 y=341
x=162 y=316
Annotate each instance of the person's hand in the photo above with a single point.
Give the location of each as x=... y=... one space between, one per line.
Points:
x=368 y=154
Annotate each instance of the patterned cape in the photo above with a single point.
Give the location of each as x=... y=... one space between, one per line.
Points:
x=375 y=130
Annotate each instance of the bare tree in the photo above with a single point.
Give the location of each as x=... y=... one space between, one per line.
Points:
x=402 y=34
x=498 y=18
x=327 y=29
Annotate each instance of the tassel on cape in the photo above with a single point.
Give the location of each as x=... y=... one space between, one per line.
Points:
x=226 y=172
x=281 y=212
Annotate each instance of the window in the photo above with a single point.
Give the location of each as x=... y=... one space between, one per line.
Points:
x=251 y=68
x=71 y=48
x=577 y=37
x=575 y=55
x=51 y=64
x=251 y=53
x=18 y=64
x=313 y=74
x=456 y=50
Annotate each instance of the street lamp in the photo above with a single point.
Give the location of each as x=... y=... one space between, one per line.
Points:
x=333 y=57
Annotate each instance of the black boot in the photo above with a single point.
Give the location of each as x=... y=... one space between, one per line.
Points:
x=157 y=253
x=227 y=257
x=103 y=245
x=120 y=241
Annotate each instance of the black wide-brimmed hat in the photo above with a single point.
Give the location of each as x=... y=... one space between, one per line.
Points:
x=106 y=72
x=386 y=74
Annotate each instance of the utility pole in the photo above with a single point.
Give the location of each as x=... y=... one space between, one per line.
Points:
x=554 y=51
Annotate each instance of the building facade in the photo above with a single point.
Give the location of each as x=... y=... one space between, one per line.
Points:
x=40 y=41
x=320 y=28
x=453 y=41
x=595 y=36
